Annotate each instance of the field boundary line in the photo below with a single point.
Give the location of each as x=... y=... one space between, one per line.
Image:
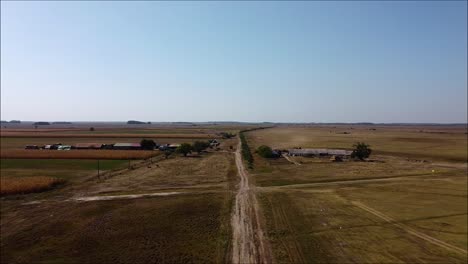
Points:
x=408 y=229
x=351 y=181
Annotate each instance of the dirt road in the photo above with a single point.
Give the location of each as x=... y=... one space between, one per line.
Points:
x=248 y=240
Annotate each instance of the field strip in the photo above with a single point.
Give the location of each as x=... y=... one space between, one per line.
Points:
x=107 y=197
x=350 y=181
x=120 y=197
x=410 y=230
x=290 y=160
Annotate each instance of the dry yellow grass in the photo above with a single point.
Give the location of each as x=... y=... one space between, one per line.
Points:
x=76 y=154
x=23 y=185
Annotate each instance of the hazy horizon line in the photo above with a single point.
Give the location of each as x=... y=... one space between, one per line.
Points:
x=242 y=122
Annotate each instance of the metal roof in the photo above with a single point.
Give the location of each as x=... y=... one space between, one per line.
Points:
x=88 y=145
x=127 y=145
x=319 y=152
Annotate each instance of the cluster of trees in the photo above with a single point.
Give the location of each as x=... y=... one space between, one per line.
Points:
x=227 y=135
x=41 y=123
x=197 y=146
x=11 y=122
x=135 y=122
x=184 y=148
x=61 y=123
x=245 y=150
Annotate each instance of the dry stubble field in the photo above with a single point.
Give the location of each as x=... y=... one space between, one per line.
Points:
x=392 y=210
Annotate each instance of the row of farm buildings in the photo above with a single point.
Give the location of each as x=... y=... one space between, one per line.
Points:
x=116 y=146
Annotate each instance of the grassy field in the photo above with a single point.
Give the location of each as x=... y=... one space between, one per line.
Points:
x=417 y=142
x=392 y=210
x=408 y=205
x=190 y=226
x=70 y=170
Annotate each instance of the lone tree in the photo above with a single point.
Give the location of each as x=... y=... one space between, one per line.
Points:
x=199 y=146
x=361 y=151
x=184 y=148
x=265 y=151
x=147 y=144
x=91 y=129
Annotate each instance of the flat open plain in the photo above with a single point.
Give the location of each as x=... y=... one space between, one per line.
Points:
x=408 y=204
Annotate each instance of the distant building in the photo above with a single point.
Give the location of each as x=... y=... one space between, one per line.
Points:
x=319 y=152
x=173 y=146
x=127 y=146
x=88 y=146
x=31 y=147
x=213 y=142
x=64 y=147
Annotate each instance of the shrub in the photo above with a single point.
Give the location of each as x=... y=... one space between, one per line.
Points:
x=361 y=151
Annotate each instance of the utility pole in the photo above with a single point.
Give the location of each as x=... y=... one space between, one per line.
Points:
x=99 y=177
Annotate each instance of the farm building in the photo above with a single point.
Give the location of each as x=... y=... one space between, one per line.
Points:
x=319 y=152
x=164 y=147
x=31 y=147
x=88 y=146
x=213 y=142
x=127 y=146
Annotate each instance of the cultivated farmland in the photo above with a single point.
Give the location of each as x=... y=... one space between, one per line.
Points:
x=408 y=205
x=140 y=208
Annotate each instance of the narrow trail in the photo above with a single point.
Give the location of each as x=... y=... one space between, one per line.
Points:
x=410 y=230
x=290 y=159
x=248 y=241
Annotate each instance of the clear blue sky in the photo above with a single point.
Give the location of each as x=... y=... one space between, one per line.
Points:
x=239 y=61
